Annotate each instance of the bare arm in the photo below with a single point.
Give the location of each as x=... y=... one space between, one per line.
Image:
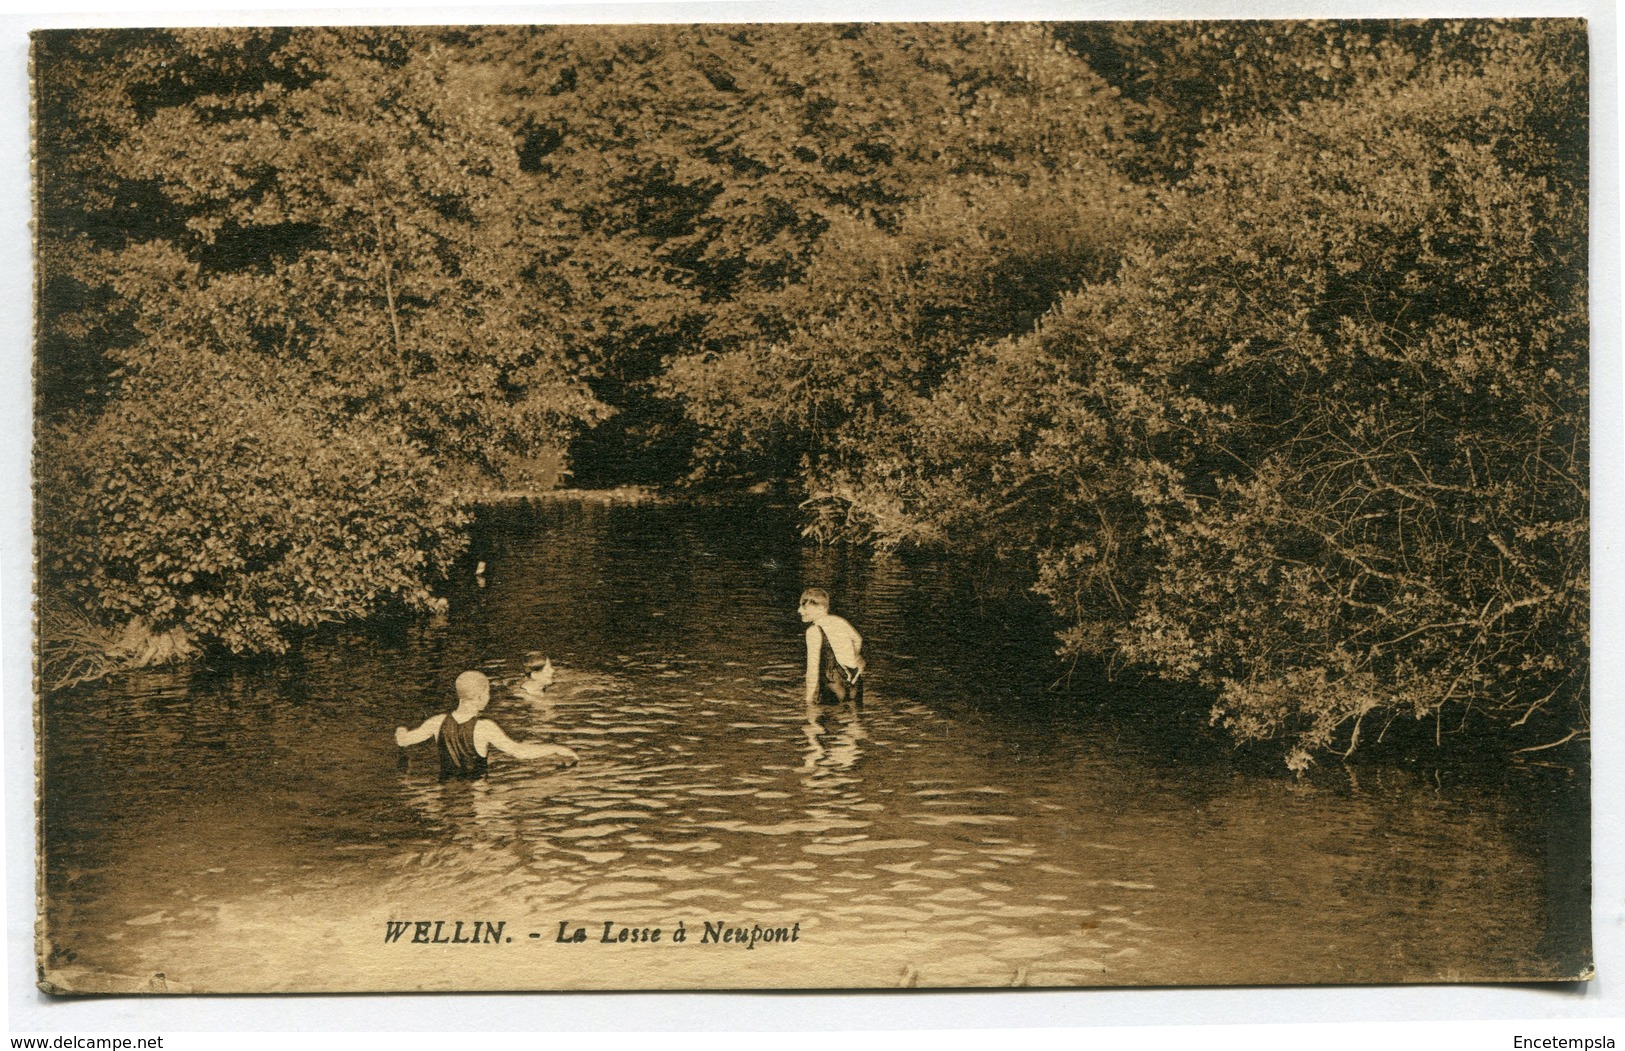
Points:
x=814 y=651
x=490 y=734
x=430 y=727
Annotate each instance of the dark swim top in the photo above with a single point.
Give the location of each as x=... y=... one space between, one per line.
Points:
x=837 y=682
x=458 y=756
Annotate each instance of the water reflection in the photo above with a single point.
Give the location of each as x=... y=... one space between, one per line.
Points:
x=834 y=734
x=962 y=828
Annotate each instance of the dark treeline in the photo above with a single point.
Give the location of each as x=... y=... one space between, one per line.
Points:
x=1259 y=349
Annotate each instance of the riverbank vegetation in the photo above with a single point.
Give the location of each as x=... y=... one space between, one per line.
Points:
x=1258 y=349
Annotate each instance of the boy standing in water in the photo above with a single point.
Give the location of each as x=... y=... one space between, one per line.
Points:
x=463 y=738
x=834 y=653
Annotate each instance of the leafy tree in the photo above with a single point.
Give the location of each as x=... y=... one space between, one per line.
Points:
x=706 y=167
x=1411 y=533
x=881 y=317
x=216 y=502
x=325 y=229
x=360 y=223
x=1190 y=81
x=1013 y=197
x=1320 y=445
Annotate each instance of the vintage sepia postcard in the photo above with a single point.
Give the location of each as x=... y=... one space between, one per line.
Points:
x=812 y=506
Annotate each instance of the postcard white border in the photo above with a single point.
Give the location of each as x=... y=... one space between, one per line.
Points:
x=31 y=1012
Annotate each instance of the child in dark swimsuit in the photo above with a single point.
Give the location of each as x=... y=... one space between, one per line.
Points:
x=834 y=653
x=464 y=740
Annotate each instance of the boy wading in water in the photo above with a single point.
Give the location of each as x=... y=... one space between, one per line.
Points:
x=834 y=653
x=463 y=738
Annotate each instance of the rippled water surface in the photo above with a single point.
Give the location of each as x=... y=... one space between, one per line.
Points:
x=247 y=828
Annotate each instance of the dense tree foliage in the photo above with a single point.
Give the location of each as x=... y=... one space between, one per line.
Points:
x=1320 y=442
x=360 y=224
x=881 y=317
x=334 y=210
x=1259 y=349
x=222 y=503
x=702 y=168
x=1192 y=80
x=486 y=240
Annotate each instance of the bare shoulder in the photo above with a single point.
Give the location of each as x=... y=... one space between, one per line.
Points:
x=488 y=735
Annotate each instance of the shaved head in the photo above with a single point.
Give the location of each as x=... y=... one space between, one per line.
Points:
x=473 y=686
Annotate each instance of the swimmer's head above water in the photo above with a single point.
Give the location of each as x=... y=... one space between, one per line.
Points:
x=814 y=604
x=538 y=673
x=473 y=690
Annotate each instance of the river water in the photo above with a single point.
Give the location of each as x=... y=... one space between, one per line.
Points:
x=246 y=826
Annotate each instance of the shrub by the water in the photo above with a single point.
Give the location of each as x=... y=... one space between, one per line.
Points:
x=1320 y=445
x=226 y=508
